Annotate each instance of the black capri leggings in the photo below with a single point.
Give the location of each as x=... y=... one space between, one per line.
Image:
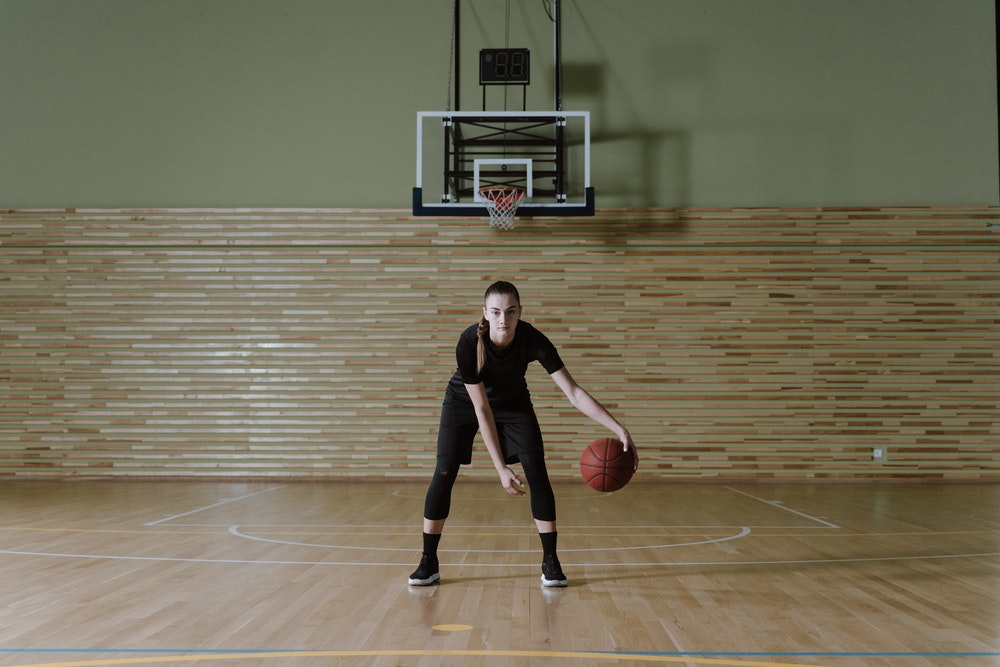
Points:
x=520 y=441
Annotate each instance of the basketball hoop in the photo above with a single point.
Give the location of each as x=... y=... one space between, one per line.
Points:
x=501 y=203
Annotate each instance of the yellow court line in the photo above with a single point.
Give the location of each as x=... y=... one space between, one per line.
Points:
x=576 y=655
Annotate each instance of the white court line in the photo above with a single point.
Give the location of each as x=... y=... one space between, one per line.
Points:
x=235 y=530
x=721 y=563
x=777 y=504
x=224 y=501
x=527 y=528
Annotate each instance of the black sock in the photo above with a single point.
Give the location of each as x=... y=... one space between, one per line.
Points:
x=431 y=544
x=548 y=544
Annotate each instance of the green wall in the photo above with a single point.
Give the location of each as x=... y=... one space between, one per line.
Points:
x=298 y=103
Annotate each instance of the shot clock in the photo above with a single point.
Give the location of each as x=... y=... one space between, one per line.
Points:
x=504 y=67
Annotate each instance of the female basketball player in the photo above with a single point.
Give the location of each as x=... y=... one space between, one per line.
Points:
x=488 y=393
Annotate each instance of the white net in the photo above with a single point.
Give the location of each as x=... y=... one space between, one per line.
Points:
x=501 y=203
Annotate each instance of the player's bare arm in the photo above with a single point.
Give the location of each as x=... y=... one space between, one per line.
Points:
x=581 y=399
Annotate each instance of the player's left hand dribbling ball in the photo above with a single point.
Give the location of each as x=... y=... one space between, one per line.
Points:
x=606 y=466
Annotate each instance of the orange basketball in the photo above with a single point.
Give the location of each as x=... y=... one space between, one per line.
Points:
x=606 y=466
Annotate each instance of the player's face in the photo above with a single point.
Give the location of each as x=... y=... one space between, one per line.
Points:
x=502 y=311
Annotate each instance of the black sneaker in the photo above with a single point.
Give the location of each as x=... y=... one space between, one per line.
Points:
x=552 y=574
x=426 y=573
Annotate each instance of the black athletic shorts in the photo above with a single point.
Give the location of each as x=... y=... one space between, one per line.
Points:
x=517 y=429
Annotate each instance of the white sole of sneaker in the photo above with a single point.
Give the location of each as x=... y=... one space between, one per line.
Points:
x=554 y=583
x=433 y=579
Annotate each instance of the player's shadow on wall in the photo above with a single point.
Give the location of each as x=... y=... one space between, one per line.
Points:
x=632 y=166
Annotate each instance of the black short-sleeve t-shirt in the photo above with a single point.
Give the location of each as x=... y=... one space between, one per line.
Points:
x=504 y=374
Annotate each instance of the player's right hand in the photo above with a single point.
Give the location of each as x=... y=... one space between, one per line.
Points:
x=511 y=482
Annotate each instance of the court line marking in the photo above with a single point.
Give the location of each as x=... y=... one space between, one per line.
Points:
x=693 y=657
x=234 y=561
x=584 y=655
x=224 y=501
x=677 y=653
x=235 y=531
x=777 y=504
x=524 y=531
x=526 y=528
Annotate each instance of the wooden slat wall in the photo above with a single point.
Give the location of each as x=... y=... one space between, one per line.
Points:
x=316 y=343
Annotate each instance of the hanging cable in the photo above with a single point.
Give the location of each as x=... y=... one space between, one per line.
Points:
x=506 y=45
x=451 y=55
x=547 y=6
x=506 y=29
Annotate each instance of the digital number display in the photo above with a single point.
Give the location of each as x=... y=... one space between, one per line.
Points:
x=507 y=66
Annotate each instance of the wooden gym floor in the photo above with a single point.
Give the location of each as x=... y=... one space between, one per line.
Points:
x=306 y=574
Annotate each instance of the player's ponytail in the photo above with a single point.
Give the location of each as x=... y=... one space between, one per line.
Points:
x=484 y=329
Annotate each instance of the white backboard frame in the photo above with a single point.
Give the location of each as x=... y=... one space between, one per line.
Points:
x=581 y=204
